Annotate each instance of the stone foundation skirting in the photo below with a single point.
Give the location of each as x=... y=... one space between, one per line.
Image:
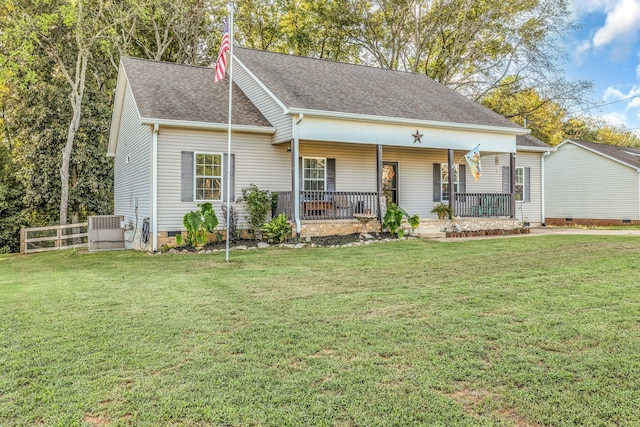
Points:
x=479 y=224
x=479 y=233
x=590 y=222
x=336 y=227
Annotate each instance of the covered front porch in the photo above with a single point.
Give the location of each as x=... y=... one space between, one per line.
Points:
x=422 y=178
x=335 y=205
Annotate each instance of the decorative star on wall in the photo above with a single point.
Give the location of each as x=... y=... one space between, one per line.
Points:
x=417 y=137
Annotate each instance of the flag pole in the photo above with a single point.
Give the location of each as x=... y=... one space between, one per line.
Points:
x=229 y=195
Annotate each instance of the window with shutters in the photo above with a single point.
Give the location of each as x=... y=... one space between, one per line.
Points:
x=444 y=180
x=519 y=184
x=314 y=177
x=208 y=176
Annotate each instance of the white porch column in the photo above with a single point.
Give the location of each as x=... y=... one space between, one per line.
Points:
x=154 y=188
x=295 y=155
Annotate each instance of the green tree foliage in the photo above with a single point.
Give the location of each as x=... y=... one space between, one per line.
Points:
x=183 y=31
x=548 y=120
x=312 y=28
x=11 y=196
x=525 y=106
x=471 y=45
x=597 y=130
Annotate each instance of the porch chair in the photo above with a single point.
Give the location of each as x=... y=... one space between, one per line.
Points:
x=343 y=206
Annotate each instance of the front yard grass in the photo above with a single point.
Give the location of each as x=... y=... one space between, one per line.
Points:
x=523 y=331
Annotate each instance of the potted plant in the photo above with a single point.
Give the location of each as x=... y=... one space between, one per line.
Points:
x=442 y=210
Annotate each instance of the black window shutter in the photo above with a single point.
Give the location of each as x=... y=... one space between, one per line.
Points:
x=505 y=180
x=186 y=176
x=462 y=179
x=232 y=190
x=437 y=187
x=527 y=184
x=331 y=174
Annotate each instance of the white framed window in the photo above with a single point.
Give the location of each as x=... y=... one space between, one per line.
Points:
x=519 y=184
x=208 y=176
x=314 y=174
x=444 y=180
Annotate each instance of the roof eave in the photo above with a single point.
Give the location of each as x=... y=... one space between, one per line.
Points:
x=270 y=130
x=535 y=149
x=405 y=121
x=117 y=111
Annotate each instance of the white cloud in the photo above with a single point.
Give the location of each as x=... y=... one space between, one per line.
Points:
x=634 y=103
x=612 y=94
x=581 y=50
x=622 y=23
x=585 y=7
x=615 y=119
x=632 y=98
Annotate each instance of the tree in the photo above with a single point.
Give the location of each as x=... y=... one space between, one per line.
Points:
x=68 y=32
x=312 y=28
x=11 y=196
x=181 y=31
x=526 y=107
x=598 y=130
x=472 y=45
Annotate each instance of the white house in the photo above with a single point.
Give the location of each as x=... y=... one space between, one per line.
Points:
x=330 y=138
x=587 y=183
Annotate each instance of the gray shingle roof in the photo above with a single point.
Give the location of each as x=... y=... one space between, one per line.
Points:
x=321 y=85
x=529 y=140
x=627 y=155
x=168 y=91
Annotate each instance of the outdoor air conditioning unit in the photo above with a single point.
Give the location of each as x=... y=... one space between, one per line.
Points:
x=106 y=232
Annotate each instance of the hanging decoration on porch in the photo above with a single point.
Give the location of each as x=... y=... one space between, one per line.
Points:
x=473 y=160
x=417 y=137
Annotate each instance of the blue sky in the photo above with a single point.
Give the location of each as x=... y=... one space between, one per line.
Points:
x=606 y=50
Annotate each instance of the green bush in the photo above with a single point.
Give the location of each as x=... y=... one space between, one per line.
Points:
x=198 y=223
x=442 y=210
x=277 y=229
x=392 y=220
x=258 y=206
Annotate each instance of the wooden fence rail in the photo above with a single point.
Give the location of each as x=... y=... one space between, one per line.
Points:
x=53 y=238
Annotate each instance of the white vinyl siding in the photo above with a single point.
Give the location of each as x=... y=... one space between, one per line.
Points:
x=256 y=161
x=265 y=103
x=390 y=134
x=355 y=164
x=584 y=184
x=132 y=177
x=530 y=211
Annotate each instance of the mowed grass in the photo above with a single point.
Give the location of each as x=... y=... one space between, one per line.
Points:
x=521 y=331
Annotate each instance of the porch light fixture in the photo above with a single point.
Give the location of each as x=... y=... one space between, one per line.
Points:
x=417 y=137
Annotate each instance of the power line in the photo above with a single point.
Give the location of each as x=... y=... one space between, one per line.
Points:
x=602 y=105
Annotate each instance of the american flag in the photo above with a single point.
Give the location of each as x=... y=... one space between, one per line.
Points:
x=221 y=62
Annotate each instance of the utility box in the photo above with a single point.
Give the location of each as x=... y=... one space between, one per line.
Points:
x=106 y=232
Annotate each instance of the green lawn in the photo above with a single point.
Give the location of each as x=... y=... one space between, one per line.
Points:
x=540 y=330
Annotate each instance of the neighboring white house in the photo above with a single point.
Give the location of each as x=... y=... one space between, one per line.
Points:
x=587 y=183
x=330 y=138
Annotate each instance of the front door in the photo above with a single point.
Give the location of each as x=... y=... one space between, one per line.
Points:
x=390 y=181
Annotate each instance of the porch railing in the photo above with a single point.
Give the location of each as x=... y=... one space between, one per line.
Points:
x=328 y=204
x=322 y=205
x=482 y=205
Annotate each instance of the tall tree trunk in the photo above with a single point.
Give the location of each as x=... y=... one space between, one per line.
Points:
x=76 y=103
